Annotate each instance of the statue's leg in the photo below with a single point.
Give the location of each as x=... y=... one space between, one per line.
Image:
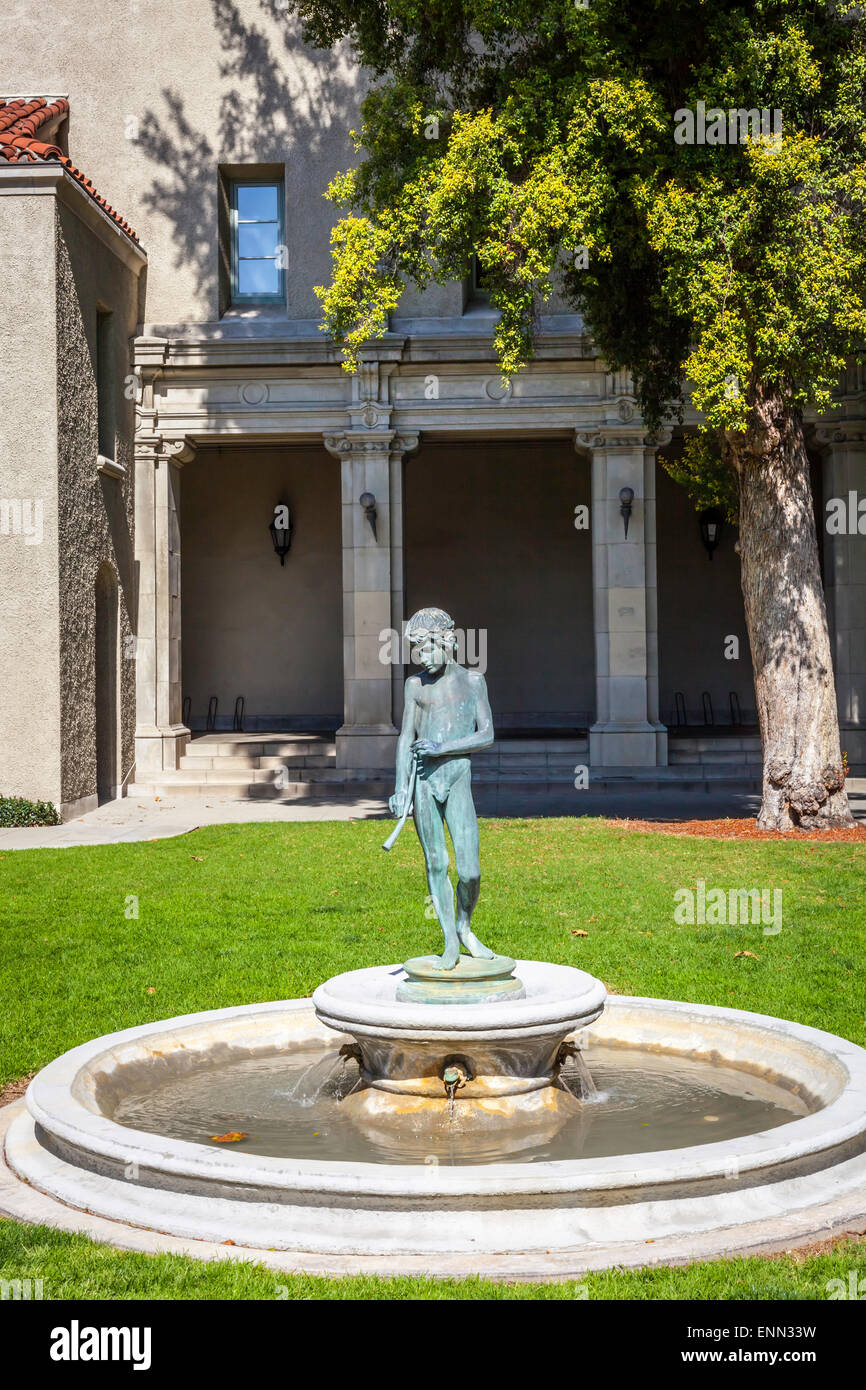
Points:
x=463 y=825
x=431 y=832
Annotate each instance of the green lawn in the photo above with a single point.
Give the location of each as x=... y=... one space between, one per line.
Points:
x=232 y=914
x=72 y=1267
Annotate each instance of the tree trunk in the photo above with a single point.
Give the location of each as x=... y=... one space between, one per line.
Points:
x=803 y=781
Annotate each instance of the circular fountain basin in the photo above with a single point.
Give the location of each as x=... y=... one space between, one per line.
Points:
x=784 y=1182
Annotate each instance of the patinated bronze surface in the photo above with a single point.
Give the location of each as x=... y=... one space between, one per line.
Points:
x=446 y=719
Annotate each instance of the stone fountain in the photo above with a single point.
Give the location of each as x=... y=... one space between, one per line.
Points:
x=436 y=1116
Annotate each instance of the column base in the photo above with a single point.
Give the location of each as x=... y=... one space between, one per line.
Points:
x=621 y=744
x=366 y=745
x=159 y=749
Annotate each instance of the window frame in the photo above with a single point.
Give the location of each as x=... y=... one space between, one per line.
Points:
x=237 y=300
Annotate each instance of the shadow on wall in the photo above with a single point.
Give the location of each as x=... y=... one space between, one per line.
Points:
x=273 y=109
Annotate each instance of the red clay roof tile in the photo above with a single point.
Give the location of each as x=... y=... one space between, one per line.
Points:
x=19 y=122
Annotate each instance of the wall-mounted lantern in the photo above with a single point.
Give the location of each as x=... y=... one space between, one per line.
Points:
x=368 y=502
x=712 y=522
x=281 y=530
x=626 y=498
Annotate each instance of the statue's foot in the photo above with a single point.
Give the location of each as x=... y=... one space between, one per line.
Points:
x=475 y=947
x=449 y=956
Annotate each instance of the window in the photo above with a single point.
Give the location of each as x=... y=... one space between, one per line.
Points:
x=477 y=292
x=257 y=247
x=105 y=385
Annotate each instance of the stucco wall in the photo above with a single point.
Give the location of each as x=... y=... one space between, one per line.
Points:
x=96 y=522
x=163 y=93
x=251 y=627
x=29 y=596
x=204 y=83
x=490 y=536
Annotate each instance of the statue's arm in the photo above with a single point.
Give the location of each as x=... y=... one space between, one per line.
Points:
x=407 y=735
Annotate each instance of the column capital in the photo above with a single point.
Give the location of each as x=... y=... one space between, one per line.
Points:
x=618 y=438
x=174 y=449
x=354 y=444
x=659 y=438
x=840 y=432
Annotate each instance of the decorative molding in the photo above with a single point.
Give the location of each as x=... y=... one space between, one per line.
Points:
x=660 y=438
x=177 y=451
x=841 y=432
x=595 y=441
x=253 y=392
x=355 y=444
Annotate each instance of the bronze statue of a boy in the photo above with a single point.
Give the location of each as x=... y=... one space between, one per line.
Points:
x=446 y=718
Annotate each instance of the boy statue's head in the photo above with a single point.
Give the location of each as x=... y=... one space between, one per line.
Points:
x=432 y=638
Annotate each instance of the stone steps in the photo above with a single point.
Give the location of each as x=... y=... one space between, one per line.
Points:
x=277 y=767
x=740 y=753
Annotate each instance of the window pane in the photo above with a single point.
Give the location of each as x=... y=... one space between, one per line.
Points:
x=258 y=277
x=257 y=202
x=258 y=238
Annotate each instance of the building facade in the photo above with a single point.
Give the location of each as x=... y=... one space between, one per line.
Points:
x=168 y=391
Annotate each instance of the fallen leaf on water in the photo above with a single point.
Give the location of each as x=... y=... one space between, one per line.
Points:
x=230 y=1137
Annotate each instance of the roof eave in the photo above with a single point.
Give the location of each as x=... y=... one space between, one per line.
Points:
x=51 y=178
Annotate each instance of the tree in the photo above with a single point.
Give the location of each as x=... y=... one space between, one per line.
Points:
x=693 y=175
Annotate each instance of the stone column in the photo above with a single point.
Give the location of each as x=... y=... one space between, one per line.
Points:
x=627 y=731
x=372 y=594
x=844 y=538
x=160 y=735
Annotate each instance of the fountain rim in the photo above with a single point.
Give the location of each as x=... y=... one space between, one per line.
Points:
x=570 y=996
x=62 y=1115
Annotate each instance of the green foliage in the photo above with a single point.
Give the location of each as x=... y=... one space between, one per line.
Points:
x=523 y=131
x=708 y=480
x=16 y=811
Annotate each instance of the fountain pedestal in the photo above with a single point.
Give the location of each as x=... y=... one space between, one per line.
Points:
x=472 y=981
x=485 y=1063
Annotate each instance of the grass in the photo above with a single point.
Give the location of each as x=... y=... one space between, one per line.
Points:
x=99 y=939
x=72 y=1267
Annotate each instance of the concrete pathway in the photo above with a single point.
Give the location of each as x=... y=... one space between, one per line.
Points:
x=145 y=818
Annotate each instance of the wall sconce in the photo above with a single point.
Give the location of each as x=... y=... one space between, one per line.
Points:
x=281 y=530
x=368 y=502
x=626 y=497
x=712 y=523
